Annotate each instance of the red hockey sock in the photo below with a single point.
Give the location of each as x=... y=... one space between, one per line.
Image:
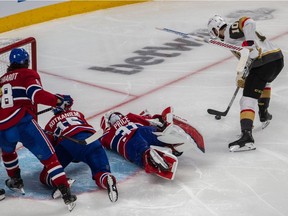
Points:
x=101 y=179
x=11 y=163
x=55 y=171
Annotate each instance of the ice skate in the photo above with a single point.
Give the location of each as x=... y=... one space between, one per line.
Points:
x=112 y=189
x=67 y=197
x=16 y=183
x=245 y=143
x=57 y=194
x=265 y=118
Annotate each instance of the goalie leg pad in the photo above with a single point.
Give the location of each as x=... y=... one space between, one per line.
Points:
x=169 y=159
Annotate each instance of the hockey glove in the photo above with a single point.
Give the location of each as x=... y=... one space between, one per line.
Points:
x=240 y=81
x=255 y=51
x=65 y=102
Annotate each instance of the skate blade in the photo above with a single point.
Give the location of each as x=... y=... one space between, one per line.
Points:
x=112 y=190
x=2 y=197
x=18 y=190
x=71 y=206
x=265 y=124
x=247 y=147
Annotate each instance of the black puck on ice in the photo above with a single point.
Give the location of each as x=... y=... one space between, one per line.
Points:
x=218 y=117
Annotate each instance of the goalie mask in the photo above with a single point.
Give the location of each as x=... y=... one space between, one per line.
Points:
x=114 y=117
x=215 y=24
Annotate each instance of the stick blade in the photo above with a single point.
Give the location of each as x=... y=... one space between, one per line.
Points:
x=216 y=112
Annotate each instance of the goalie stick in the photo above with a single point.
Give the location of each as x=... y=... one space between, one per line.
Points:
x=86 y=141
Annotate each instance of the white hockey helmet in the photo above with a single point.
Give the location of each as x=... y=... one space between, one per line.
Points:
x=112 y=117
x=215 y=23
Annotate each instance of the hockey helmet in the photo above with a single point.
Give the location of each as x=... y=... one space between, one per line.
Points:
x=19 y=56
x=215 y=24
x=114 y=117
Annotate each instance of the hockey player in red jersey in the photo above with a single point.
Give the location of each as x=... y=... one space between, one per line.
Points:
x=64 y=129
x=267 y=63
x=21 y=88
x=148 y=141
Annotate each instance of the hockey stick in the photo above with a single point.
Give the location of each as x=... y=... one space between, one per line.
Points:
x=185 y=35
x=86 y=141
x=44 y=111
x=243 y=64
x=244 y=52
x=222 y=44
x=217 y=113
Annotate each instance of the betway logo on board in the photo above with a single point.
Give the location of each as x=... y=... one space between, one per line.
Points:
x=150 y=56
x=156 y=55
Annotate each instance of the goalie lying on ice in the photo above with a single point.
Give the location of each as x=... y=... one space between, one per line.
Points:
x=149 y=141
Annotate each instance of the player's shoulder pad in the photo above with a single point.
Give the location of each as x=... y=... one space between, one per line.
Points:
x=242 y=21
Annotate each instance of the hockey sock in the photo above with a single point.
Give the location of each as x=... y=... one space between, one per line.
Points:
x=101 y=179
x=55 y=171
x=11 y=163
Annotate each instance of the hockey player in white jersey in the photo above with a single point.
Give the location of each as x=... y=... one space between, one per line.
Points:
x=267 y=63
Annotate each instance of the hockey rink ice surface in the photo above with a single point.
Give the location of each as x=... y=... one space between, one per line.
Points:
x=73 y=53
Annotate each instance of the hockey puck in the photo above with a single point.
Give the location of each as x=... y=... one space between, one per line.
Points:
x=218 y=117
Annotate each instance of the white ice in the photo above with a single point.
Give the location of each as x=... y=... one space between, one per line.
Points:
x=217 y=183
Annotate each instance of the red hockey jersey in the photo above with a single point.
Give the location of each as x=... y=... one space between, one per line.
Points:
x=117 y=136
x=20 y=90
x=67 y=124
